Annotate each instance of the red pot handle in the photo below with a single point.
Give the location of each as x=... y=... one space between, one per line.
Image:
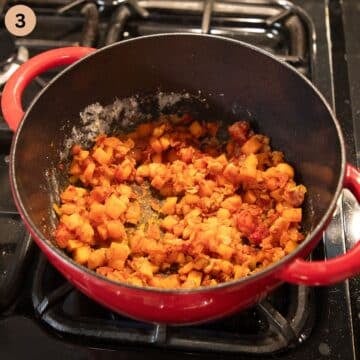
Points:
x=11 y=97
x=334 y=270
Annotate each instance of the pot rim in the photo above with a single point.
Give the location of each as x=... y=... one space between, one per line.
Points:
x=62 y=256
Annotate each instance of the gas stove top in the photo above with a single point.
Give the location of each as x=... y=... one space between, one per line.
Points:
x=44 y=316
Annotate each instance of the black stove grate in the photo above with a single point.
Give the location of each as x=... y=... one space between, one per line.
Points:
x=15 y=243
x=281 y=30
x=284 y=319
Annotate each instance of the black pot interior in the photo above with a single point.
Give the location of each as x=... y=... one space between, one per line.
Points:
x=226 y=82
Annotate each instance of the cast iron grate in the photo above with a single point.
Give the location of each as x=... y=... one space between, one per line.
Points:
x=15 y=243
x=281 y=30
x=285 y=319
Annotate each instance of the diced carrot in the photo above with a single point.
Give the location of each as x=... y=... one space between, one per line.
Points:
x=86 y=233
x=231 y=173
x=240 y=271
x=124 y=171
x=249 y=197
x=286 y=169
x=223 y=213
x=112 y=141
x=116 y=255
x=196 y=129
x=75 y=169
x=159 y=130
x=72 y=221
x=62 y=235
x=153 y=231
x=97 y=258
x=102 y=231
x=165 y=282
x=144 y=267
x=225 y=251
x=88 y=173
x=206 y=187
x=68 y=209
x=169 y=206
x=232 y=203
x=115 y=230
x=97 y=212
x=101 y=156
x=133 y=213
x=169 y=222
x=239 y=131
x=76 y=149
x=73 y=244
x=251 y=146
x=193 y=279
x=143 y=171
x=81 y=254
x=292 y=215
x=156 y=145
x=290 y=246
x=83 y=154
x=115 y=206
x=165 y=143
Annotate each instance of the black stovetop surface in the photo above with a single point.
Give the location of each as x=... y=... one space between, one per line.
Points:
x=42 y=316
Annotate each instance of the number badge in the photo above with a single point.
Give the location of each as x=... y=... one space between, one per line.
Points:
x=20 y=20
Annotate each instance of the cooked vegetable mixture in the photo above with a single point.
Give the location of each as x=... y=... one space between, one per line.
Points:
x=171 y=206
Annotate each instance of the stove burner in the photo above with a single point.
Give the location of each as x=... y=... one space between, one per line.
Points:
x=284 y=319
x=12 y=63
x=40 y=301
x=90 y=28
x=11 y=57
x=235 y=19
x=132 y=3
x=106 y=4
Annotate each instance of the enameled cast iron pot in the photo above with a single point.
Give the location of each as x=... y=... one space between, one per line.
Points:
x=234 y=76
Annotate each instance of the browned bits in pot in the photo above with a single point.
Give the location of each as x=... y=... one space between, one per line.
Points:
x=169 y=206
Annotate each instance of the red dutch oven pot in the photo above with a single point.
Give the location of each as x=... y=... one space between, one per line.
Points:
x=234 y=77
